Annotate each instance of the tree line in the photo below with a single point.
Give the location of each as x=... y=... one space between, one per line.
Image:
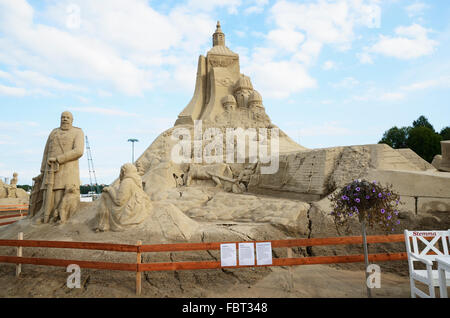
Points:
x=84 y=189
x=421 y=137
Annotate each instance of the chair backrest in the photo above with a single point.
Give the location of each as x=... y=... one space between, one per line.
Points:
x=422 y=243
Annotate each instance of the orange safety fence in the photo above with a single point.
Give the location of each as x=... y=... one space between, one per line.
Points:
x=195 y=265
x=6 y=209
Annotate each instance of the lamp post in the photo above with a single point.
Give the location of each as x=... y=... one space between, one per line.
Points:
x=132 y=151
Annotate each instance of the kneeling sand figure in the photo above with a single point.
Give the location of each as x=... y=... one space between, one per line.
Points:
x=125 y=205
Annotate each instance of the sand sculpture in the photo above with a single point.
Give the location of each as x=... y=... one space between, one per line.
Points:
x=442 y=162
x=224 y=201
x=124 y=205
x=60 y=175
x=10 y=194
x=224 y=98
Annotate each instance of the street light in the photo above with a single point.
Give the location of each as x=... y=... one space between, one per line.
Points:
x=132 y=151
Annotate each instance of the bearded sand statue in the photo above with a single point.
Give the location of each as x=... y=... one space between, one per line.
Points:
x=124 y=205
x=59 y=171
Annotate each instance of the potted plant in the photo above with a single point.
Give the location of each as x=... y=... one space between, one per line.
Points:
x=373 y=204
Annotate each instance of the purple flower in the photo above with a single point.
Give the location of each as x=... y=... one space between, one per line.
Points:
x=350 y=214
x=357 y=200
x=348 y=187
x=367 y=197
x=356 y=209
x=344 y=197
x=396 y=212
x=389 y=217
x=383 y=210
x=373 y=190
x=380 y=195
x=357 y=189
x=398 y=221
x=389 y=194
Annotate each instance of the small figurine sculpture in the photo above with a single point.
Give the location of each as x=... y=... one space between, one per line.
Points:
x=124 y=205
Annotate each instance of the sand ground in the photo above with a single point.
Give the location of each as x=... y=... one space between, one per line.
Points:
x=306 y=281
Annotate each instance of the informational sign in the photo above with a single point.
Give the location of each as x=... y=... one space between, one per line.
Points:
x=228 y=254
x=246 y=254
x=264 y=253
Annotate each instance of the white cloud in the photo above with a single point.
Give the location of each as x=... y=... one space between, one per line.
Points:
x=118 y=45
x=256 y=7
x=347 y=82
x=443 y=81
x=12 y=91
x=286 y=39
x=331 y=128
x=280 y=79
x=329 y=65
x=364 y=58
x=416 y=9
x=409 y=43
x=300 y=32
x=102 y=111
x=392 y=96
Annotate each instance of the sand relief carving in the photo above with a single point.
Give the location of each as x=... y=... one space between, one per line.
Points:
x=125 y=204
x=215 y=172
x=244 y=178
x=57 y=187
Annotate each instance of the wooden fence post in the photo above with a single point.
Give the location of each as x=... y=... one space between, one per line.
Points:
x=19 y=254
x=291 y=276
x=138 y=272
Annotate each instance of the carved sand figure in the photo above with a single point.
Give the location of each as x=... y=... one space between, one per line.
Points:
x=3 y=192
x=59 y=168
x=14 y=179
x=179 y=179
x=245 y=175
x=36 y=196
x=68 y=205
x=124 y=205
x=213 y=172
x=12 y=188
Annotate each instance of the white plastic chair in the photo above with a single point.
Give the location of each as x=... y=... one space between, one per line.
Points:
x=428 y=276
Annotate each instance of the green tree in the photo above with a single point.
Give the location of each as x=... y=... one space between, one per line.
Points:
x=445 y=133
x=422 y=121
x=395 y=137
x=424 y=141
x=26 y=187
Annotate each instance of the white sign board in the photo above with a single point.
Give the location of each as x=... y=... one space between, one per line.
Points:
x=264 y=253
x=228 y=254
x=246 y=254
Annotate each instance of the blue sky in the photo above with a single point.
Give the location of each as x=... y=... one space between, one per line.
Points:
x=331 y=73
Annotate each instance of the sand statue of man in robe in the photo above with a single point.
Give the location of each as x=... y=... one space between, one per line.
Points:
x=59 y=168
x=125 y=204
